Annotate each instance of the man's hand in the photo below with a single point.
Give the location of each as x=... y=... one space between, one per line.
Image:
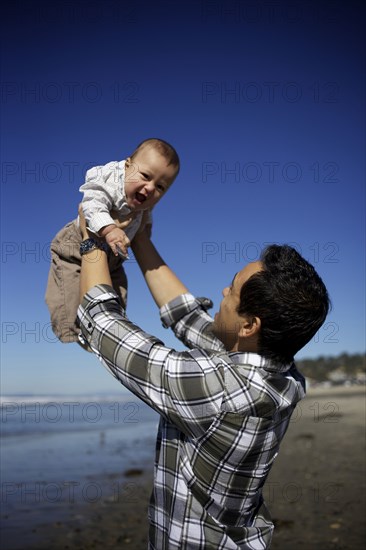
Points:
x=122 y=222
x=146 y=225
x=82 y=224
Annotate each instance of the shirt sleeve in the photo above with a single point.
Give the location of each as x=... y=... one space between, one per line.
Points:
x=187 y=388
x=188 y=318
x=101 y=190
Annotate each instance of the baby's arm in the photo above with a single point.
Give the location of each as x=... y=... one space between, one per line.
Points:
x=100 y=195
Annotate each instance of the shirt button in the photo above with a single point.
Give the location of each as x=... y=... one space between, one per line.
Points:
x=89 y=325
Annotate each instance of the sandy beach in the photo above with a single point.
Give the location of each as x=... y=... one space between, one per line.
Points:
x=315 y=491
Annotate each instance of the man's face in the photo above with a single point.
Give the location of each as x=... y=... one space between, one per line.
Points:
x=228 y=322
x=147 y=178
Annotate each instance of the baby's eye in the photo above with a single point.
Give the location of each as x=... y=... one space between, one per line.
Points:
x=146 y=176
x=160 y=187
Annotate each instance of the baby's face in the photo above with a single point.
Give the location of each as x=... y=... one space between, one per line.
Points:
x=147 y=178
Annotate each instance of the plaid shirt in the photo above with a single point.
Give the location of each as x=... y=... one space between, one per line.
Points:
x=222 y=417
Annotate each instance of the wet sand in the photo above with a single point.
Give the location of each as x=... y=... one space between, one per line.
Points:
x=315 y=491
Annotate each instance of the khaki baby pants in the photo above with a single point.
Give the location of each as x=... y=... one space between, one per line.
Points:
x=62 y=293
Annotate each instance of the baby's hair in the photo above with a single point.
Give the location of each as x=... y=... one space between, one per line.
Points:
x=163 y=147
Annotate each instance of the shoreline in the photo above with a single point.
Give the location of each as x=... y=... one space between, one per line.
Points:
x=315 y=491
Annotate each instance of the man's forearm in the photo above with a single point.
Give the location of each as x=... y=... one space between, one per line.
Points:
x=163 y=284
x=94 y=271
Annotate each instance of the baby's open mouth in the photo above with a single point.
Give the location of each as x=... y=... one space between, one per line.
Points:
x=140 y=197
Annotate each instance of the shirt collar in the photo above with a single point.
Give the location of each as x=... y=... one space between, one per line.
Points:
x=256 y=360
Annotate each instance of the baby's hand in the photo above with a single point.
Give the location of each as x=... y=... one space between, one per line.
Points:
x=118 y=241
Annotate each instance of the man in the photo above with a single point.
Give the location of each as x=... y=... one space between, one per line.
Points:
x=225 y=404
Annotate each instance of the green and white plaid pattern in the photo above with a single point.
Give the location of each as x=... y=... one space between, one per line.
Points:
x=222 y=418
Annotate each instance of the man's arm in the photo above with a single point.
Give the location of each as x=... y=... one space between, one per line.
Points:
x=163 y=284
x=184 y=313
x=94 y=264
x=188 y=319
x=170 y=382
x=94 y=271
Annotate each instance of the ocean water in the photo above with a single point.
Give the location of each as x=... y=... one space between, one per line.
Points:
x=60 y=451
x=30 y=415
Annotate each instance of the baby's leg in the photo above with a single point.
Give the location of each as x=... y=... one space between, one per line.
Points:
x=62 y=294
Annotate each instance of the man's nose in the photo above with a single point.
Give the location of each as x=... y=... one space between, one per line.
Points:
x=224 y=291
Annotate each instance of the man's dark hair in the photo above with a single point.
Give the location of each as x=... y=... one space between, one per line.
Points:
x=290 y=299
x=163 y=147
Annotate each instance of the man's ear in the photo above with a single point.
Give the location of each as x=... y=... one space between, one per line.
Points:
x=250 y=327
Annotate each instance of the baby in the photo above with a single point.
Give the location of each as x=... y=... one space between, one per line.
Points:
x=117 y=203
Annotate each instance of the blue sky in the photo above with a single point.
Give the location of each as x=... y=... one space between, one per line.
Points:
x=264 y=103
